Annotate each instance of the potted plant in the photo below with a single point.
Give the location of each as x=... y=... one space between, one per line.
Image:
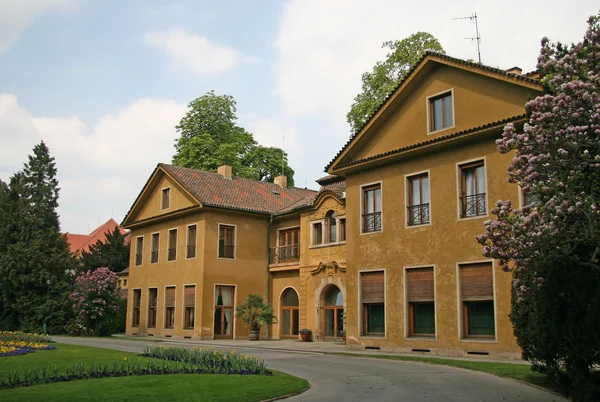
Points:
x=255 y=312
x=305 y=334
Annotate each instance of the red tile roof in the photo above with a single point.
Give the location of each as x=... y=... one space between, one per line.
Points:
x=212 y=189
x=80 y=242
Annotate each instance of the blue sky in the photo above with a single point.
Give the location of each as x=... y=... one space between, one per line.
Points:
x=105 y=82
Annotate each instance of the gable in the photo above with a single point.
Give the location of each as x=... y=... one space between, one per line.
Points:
x=484 y=96
x=149 y=202
x=477 y=100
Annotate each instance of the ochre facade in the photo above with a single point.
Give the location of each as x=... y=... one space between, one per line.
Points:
x=384 y=253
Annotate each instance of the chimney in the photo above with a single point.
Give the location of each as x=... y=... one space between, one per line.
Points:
x=514 y=71
x=225 y=171
x=281 y=181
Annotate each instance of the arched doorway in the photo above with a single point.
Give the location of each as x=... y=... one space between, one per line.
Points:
x=290 y=313
x=333 y=314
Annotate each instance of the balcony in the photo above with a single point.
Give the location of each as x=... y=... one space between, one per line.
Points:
x=372 y=222
x=473 y=205
x=418 y=214
x=154 y=257
x=284 y=254
x=138 y=259
x=191 y=251
x=171 y=254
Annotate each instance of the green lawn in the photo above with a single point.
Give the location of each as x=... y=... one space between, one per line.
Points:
x=180 y=387
x=520 y=372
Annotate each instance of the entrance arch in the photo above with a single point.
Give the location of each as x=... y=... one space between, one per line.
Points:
x=290 y=313
x=333 y=312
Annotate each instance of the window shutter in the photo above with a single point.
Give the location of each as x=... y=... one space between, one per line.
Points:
x=420 y=284
x=373 y=287
x=476 y=282
x=170 y=302
x=190 y=296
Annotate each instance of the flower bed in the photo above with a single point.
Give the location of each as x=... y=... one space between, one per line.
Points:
x=154 y=360
x=20 y=343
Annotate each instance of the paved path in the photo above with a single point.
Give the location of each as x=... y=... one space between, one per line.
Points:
x=365 y=379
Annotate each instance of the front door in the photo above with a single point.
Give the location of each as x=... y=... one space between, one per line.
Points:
x=333 y=310
x=224 y=296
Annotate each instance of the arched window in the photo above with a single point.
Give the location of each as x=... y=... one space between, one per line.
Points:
x=290 y=313
x=332 y=224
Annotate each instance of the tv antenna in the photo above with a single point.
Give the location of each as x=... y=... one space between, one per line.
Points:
x=476 y=37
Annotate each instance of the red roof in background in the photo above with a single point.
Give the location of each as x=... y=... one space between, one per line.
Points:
x=80 y=242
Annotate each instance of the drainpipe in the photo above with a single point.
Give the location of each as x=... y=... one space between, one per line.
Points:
x=267 y=276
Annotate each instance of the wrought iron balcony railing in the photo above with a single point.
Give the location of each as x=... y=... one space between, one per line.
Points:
x=418 y=214
x=172 y=254
x=191 y=251
x=226 y=251
x=154 y=257
x=284 y=254
x=473 y=205
x=372 y=222
x=138 y=259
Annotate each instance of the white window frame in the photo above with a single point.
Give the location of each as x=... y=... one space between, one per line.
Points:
x=165 y=309
x=169 y=243
x=151 y=243
x=183 y=328
x=459 y=304
x=235 y=233
x=187 y=241
x=428 y=111
x=148 y=308
x=459 y=189
x=407 y=335
x=214 y=302
x=407 y=177
x=135 y=264
x=362 y=197
x=133 y=307
x=162 y=194
x=360 y=305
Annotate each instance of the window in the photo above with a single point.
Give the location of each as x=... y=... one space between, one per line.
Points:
x=191 y=242
x=477 y=297
x=226 y=241
x=371 y=208
x=224 y=311
x=472 y=190
x=373 y=302
x=317 y=233
x=165 y=201
x=155 y=248
x=152 y=307
x=420 y=298
x=529 y=198
x=124 y=282
x=170 y=307
x=139 y=250
x=331 y=220
x=418 y=200
x=290 y=313
x=342 y=229
x=289 y=247
x=137 y=301
x=440 y=112
x=172 y=251
x=190 y=306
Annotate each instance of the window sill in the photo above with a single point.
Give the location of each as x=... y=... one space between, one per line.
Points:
x=226 y=258
x=421 y=338
x=418 y=226
x=440 y=130
x=470 y=218
x=337 y=243
x=371 y=233
x=372 y=336
x=478 y=340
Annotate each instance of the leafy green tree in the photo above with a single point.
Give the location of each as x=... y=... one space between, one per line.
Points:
x=210 y=137
x=36 y=265
x=386 y=74
x=112 y=253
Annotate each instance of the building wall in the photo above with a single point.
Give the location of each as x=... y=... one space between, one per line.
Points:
x=443 y=244
x=150 y=204
x=478 y=100
x=165 y=273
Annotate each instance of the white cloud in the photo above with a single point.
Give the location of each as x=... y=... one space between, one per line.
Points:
x=101 y=169
x=197 y=54
x=323 y=47
x=17 y=15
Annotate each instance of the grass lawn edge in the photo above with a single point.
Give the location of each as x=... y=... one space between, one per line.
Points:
x=277 y=398
x=454 y=363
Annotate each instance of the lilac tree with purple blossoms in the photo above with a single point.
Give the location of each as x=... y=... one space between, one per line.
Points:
x=96 y=300
x=552 y=246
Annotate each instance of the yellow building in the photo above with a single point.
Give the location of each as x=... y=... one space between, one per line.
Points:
x=421 y=177
x=408 y=193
